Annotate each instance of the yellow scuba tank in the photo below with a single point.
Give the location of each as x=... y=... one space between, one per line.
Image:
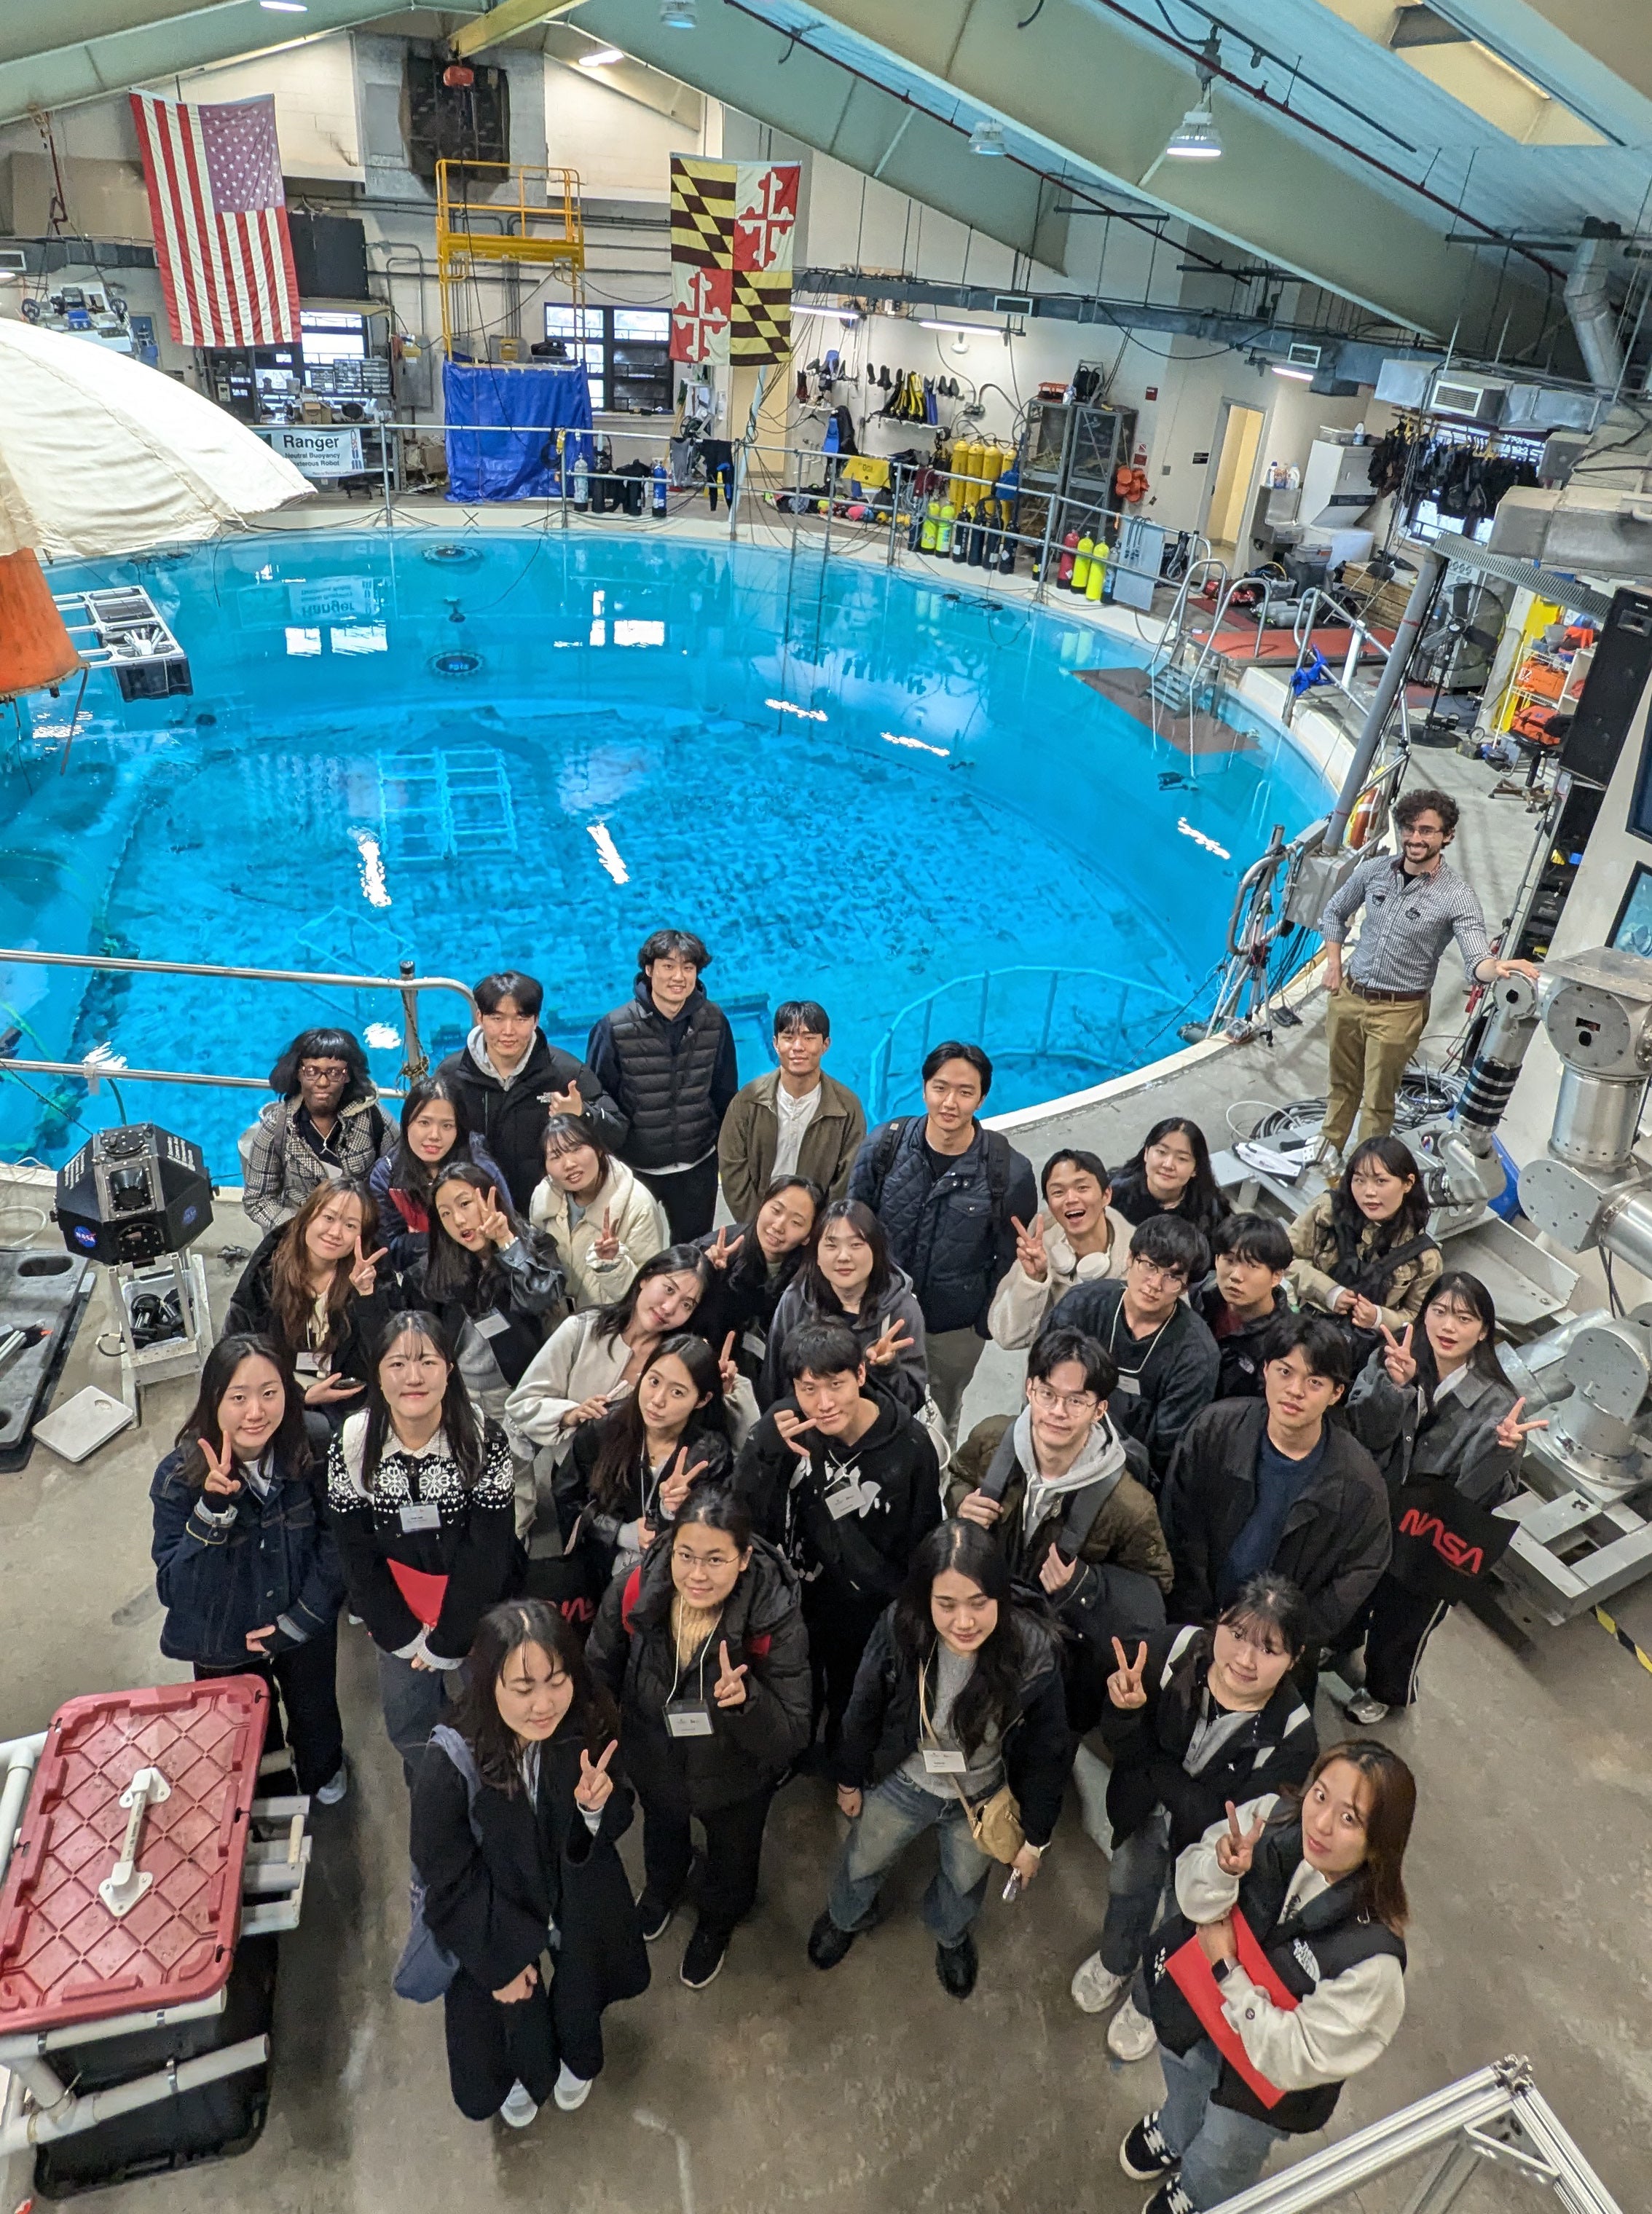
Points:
x=1097 y=570
x=931 y=525
x=1081 y=564
x=944 y=527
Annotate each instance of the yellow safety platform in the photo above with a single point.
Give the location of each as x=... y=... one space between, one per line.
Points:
x=504 y=211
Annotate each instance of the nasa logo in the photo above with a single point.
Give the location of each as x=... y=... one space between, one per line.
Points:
x=1468 y=1560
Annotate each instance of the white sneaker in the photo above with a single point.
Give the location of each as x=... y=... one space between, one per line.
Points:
x=571 y=2090
x=1362 y=1708
x=1130 y=2035
x=519 y=2109
x=330 y=1793
x=1095 y=1988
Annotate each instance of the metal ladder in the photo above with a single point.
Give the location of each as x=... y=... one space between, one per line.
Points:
x=1174 y=675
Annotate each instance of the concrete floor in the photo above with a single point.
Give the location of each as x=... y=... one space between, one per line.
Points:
x=869 y=2091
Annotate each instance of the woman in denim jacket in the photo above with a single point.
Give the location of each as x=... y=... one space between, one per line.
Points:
x=245 y=1563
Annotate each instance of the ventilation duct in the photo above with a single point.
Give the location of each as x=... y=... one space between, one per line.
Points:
x=1591 y=312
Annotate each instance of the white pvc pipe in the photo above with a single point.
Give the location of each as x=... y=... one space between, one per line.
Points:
x=17 y=1759
x=75 y=2114
x=30 y=2044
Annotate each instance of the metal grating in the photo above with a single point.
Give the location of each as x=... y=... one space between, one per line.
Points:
x=1547 y=584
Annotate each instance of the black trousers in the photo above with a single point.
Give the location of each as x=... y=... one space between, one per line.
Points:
x=734 y=1844
x=689 y=1198
x=491 y=2046
x=1402 y=1623
x=839 y=1628
x=303 y=1689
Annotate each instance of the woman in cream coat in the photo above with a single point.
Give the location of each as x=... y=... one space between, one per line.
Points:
x=603 y=1221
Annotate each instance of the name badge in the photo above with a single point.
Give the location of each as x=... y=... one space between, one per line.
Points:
x=938 y=1760
x=688 y=1720
x=847 y=1499
x=755 y=1343
x=420 y=1514
x=305 y=1364
x=493 y=1323
x=1129 y=1386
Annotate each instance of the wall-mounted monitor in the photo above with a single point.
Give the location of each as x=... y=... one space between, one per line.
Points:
x=1632 y=931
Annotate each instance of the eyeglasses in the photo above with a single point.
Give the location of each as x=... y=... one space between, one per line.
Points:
x=713 y=1560
x=1151 y=1273
x=326 y=1069
x=1075 y=1402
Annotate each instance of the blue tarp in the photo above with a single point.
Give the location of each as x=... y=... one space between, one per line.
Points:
x=520 y=462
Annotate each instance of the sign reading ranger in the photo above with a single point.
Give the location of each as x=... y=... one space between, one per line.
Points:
x=320 y=450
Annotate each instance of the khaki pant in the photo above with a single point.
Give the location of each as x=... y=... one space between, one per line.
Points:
x=1371 y=1041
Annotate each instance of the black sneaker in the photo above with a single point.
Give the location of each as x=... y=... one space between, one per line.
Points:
x=704 y=1957
x=828 y=1943
x=1170 y=2198
x=957 y=1966
x=655 y=1916
x=1144 y=2153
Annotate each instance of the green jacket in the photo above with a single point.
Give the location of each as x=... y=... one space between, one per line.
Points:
x=750 y=1137
x=1126 y=1532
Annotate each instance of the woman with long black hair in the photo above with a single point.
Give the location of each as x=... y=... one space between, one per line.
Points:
x=704 y=1646
x=1363 y=1251
x=318 y=1288
x=324 y=1126
x=630 y=1471
x=435 y=1132
x=1170 y=1175
x=751 y=1266
x=1316 y=1874
x=1432 y=1405
x=958 y=1695
x=245 y=1564
x=421 y=1493
x=517 y=1814
x=849 y=1275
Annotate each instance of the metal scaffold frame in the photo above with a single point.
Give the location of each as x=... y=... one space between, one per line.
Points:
x=479 y=220
x=1498 y=2118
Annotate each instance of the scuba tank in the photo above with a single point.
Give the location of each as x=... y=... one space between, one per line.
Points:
x=913 y=529
x=1069 y=554
x=659 y=486
x=1097 y=570
x=944 y=527
x=977 y=537
x=990 y=545
x=1007 y=554
x=961 y=535
x=926 y=536
x=581 y=483
x=1081 y=564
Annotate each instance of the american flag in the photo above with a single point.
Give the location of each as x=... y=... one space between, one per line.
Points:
x=220 y=218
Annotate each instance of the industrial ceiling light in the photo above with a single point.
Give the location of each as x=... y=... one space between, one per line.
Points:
x=970 y=330
x=605 y=58
x=285 y=7
x=835 y=314
x=988 y=137
x=1195 y=137
x=1301 y=363
x=1289 y=369
x=679 y=15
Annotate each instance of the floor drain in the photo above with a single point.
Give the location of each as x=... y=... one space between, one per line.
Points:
x=451 y=557
x=457 y=660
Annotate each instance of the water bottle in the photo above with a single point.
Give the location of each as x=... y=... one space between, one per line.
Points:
x=581 y=483
x=659 y=487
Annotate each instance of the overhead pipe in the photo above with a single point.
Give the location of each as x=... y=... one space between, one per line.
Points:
x=1431 y=569
x=1591 y=311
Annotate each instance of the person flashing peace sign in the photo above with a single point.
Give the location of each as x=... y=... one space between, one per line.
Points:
x=525 y=1873
x=1194 y=1717
x=603 y=1220
x=245 y=1563
x=849 y=1277
x=630 y=1469
x=1432 y=1405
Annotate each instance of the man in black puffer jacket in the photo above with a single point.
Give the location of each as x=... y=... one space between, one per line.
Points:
x=667 y=1059
x=948 y=1193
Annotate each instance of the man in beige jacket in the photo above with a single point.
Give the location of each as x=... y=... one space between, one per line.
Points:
x=793 y=1121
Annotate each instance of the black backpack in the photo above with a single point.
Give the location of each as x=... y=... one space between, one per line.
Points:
x=998 y=1160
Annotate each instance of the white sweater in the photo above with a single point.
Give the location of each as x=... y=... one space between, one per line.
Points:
x=1341 y=2026
x=1020 y=1305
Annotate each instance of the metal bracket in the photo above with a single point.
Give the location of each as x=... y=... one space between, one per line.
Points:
x=126 y=1883
x=1500 y=2150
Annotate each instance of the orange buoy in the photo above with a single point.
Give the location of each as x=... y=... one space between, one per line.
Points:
x=1359 y=823
x=35 y=650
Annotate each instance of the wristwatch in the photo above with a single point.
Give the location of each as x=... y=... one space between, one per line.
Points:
x=1222 y=1969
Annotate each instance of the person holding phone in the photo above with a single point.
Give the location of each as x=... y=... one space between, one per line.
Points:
x=704 y=1647
x=245 y=1564
x=419 y=1489
x=1314 y=1880
x=1194 y=1716
x=524 y=1867
x=959 y=1693
x=319 y=1286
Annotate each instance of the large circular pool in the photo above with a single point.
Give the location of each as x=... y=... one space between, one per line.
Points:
x=884 y=789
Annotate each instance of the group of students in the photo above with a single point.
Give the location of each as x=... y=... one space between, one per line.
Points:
x=637 y=1513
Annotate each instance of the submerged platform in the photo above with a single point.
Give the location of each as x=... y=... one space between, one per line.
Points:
x=1199 y=736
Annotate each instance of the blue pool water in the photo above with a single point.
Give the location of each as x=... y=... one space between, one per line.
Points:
x=882 y=791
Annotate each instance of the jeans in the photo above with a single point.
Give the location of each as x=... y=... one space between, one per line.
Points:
x=304 y=1676
x=1136 y=1886
x=953 y=1356
x=890 y=1818
x=734 y=1844
x=413 y=1699
x=689 y=1198
x=1222 y=2152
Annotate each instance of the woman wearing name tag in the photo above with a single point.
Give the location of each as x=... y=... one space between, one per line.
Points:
x=850 y=1276
x=628 y=1473
x=1435 y=1409
x=1281 y=1974
x=491 y=1279
x=421 y=1493
x=703 y=1646
x=957 y=1706
x=520 y=1859
x=753 y=1264
x=318 y=1287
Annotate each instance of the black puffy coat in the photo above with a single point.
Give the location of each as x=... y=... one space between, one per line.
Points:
x=750 y=1746
x=945 y=1230
x=881 y=1728
x=251 y=1309
x=671 y=1081
x=511 y=1120
x=743 y=1298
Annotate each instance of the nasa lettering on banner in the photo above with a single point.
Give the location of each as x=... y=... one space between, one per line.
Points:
x=1445 y=1546
x=320 y=450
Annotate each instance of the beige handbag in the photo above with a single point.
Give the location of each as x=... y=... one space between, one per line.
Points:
x=995 y=1824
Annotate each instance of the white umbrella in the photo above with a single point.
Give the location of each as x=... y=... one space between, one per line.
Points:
x=99 y=454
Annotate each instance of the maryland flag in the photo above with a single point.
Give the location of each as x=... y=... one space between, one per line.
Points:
x=733 y=224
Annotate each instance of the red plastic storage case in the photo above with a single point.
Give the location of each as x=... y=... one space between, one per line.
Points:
x=64 y=1957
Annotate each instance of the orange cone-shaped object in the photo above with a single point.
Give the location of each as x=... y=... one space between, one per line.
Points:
x=35 y=647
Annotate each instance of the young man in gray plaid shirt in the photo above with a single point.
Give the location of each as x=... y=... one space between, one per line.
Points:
x=1379 y=1005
